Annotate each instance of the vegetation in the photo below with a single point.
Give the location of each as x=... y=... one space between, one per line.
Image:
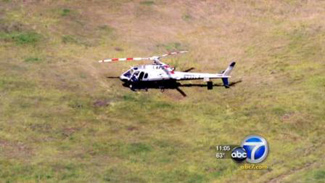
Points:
x=62 y=120
x=65 y=12
x=21 y=38
x=148 y=3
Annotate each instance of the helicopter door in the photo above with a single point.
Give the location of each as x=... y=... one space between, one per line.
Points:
x=141 y=76
x=135 y=77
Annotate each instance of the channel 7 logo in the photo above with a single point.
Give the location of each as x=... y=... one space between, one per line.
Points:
x=253 y=149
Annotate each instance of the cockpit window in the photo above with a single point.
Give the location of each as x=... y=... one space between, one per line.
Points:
x=128 y=73
x=136 y=73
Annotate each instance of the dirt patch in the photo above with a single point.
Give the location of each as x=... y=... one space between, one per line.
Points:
x=118 y=49
x=15 y=150
x=101 y=103
x=69 y=131
x=131 y=128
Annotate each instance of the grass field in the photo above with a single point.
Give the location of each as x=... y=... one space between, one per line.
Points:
x=62 y=120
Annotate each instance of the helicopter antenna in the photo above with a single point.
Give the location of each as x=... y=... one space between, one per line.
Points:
x=156 y=59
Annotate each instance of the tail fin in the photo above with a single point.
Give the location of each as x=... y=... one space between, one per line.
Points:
x=229 y=69
x=226 y=73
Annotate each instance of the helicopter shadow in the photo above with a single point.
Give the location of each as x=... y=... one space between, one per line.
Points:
x=173 y=86
x=202 y=85
x=214 y=85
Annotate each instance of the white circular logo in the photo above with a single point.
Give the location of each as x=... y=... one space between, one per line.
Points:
x=256 y=148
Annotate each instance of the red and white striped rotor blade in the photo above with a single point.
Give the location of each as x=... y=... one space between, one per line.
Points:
x=123 y=59
x=173 y=53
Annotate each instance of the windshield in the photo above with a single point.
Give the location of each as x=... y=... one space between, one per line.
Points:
x=128 y=73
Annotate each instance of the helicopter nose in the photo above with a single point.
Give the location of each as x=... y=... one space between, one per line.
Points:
x=123 y=78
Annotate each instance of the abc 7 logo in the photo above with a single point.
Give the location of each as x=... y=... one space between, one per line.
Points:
x=254 y=149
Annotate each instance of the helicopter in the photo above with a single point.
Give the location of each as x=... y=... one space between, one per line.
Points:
x=161 y=75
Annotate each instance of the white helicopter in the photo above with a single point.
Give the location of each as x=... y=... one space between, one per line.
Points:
x=162 y=76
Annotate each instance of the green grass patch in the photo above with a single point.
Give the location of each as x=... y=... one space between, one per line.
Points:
x=16 y=84
x=69 y=39
x=319 y=175
x=137 y=148
x=315 y=175
x=21 y=38
x=182 y=176
x=279 y=111
x=115 y=174
x=187 y=17
x=77 y=40
x=65 y=12
x=33 y=60
x=106 y=28
x=147 y=3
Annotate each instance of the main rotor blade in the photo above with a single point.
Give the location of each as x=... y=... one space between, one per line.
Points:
x=154 y=58
x=123 y=59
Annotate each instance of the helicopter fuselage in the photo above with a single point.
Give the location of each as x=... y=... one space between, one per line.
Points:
x=147 y=73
